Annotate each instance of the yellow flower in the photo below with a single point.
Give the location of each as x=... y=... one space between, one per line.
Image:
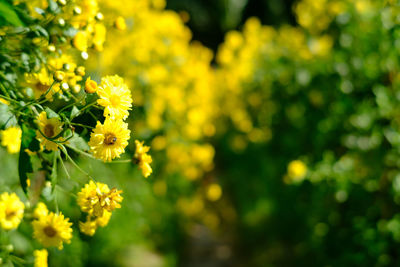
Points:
x=214 y=192
x=96 y=198
x=88 y=227
x=115 y=97
x=11 y=211
x=143 y=158
x=296 y=171
x=40 y=258
x=80 y=41
x=3 y=101
x=40 y=210
x=90 y=86
x=99 y=36
x=52 y=230
x=108 y=140
x=40 y=82
x=120 y=23
x=11 y=138
x=103 y=220
x=48 y=128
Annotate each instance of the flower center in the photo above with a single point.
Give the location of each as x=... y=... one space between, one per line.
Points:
x=115 y=100
x=50 y=231
x=49 y=130
x=42 y=87
x=10 y=214
x=110 y=139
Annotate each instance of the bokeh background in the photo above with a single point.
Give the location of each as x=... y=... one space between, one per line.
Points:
x=274 y=132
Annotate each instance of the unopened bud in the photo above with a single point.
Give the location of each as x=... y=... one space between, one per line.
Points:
x=90 y=86
x=80 y=71
x=59 y=76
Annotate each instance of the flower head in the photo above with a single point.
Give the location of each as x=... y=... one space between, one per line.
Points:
x=48 y=129
x=40 y=258
x=296 y=171
x=11 y=138
x=115 y=97
x=143 y=158
x=108 y=140
x=40 y=83
x=52 y=230
x=11 y=211
x=96 y=198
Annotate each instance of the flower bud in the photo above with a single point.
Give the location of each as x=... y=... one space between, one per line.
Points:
x=90 y=86
x=120 y=23
x=59 y=76
x=80 y=71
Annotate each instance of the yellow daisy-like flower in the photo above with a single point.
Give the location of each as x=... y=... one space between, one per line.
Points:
x=11 y=138
x=96 y=198
x=143 y=159
x=11 y=211
x=40 y=82
x=115 y=97
x=52 y=230
x=40 y=258
x=108 y=140
x=48 y=128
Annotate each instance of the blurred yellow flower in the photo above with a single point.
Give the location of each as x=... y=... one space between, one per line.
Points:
x=52 y=230
x=48 y=130
x=296 y=170
x=80 y=41
x=120 y=23
x=115 y=97
x=40 y=258
x=99 y=36
x=11 y=138
x=108 y=140
x=40 y=83
x=11 y=211
x=143 y=159
x=214 y=192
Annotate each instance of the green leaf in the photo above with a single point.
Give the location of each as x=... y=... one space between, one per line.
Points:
x=51 y=113
x=6 y=117
x=8 y=14
x=27 y=136
x=74 y=112
x=78 y=142
x=24 y=161
x=53 y=175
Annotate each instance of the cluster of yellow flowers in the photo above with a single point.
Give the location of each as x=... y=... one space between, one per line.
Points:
x=98 y=201
x=53 y=109
x=108 y=140
x=173 y=83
